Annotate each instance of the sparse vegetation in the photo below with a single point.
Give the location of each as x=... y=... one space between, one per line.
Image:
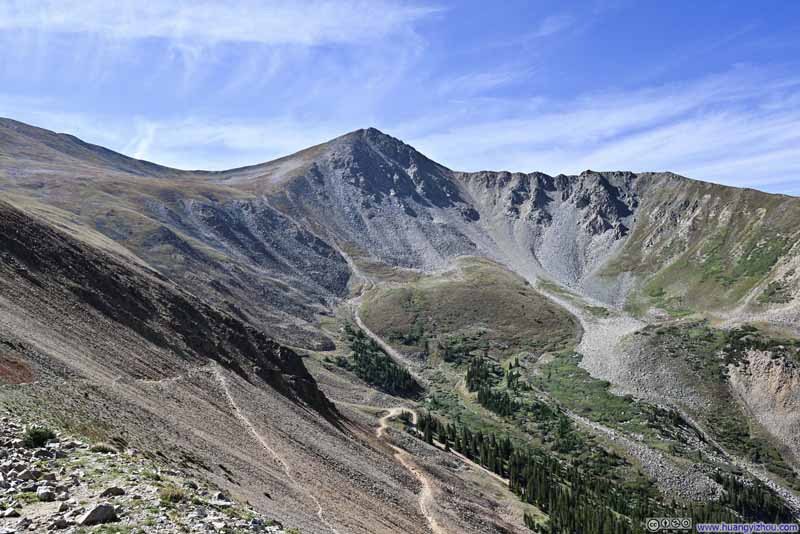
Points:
x=104 y=447
x=482 y=308
x=37 y=436
x=708 y=352
x=170 y=494
x=579 y=498
x=370 y=363
x=776 y=292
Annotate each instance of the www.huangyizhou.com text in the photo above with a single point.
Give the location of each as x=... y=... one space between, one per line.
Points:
x=684 y=524
x=747 y=527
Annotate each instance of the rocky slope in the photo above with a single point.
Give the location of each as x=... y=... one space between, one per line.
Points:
x=154 y=306
x=115 y=352
x=263 y=241
x=63 y=484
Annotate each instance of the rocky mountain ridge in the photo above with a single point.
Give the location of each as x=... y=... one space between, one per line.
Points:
x=264 y=239
x=161 y=304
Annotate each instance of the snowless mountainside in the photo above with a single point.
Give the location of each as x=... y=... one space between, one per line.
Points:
x=265 y=241
x=157 y=306
x=604 y=234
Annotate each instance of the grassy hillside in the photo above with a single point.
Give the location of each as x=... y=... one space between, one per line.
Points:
x=480 y=307
x=704 y=246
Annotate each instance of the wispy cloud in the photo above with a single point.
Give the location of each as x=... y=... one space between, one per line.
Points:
x=310 y=22
x=553 y=24
x=476 y=83
x=739 y=128
x=186 y=143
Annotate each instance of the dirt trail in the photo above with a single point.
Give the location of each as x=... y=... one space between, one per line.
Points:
x=405 y=459
x=246 y=422
x=355 y=305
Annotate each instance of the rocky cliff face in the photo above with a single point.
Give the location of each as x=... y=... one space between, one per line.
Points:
x=566 y=226
x=768 y=385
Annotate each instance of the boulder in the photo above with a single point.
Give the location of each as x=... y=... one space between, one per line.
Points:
x=29 y=474
x=45 y=493
x=113 y=491
x=102 y=513
x=59 y=524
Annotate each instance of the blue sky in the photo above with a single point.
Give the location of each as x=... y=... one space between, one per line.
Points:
x=707 y=89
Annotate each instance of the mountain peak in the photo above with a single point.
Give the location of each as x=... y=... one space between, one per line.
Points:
x=370 y=135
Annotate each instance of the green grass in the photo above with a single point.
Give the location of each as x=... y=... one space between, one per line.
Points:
x=575 y=388
x=735 y=239
x=707 y=352
x=170 y=495
x=37 y=436
x=486 y=308
x=776 y=292
x=27 y=497
x=597 y=311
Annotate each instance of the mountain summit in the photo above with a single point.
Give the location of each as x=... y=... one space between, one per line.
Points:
x=262 y=328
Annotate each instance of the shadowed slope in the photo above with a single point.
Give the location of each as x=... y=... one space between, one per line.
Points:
x=117 y=353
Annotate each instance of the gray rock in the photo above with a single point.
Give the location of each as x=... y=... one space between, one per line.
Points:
x=29 y=474
x=102 y=513
x=59 y=524
x=46 y=494
x=113 y=491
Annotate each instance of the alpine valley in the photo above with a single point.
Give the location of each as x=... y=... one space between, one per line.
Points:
x=355 y=339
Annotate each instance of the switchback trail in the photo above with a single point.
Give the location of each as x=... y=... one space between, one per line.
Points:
x=246 y=422
x=355 y=304
x=426 y=494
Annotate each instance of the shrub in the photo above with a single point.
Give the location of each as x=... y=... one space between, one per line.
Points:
x=103 y=447
x=37 y=436
x=171 y=495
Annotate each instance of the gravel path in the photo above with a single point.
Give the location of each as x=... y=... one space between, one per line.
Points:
x=405 y=459
x=218 y=373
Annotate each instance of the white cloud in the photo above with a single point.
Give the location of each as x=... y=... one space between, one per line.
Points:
x=475 y=83
x=311 y=22
x=741 y=128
